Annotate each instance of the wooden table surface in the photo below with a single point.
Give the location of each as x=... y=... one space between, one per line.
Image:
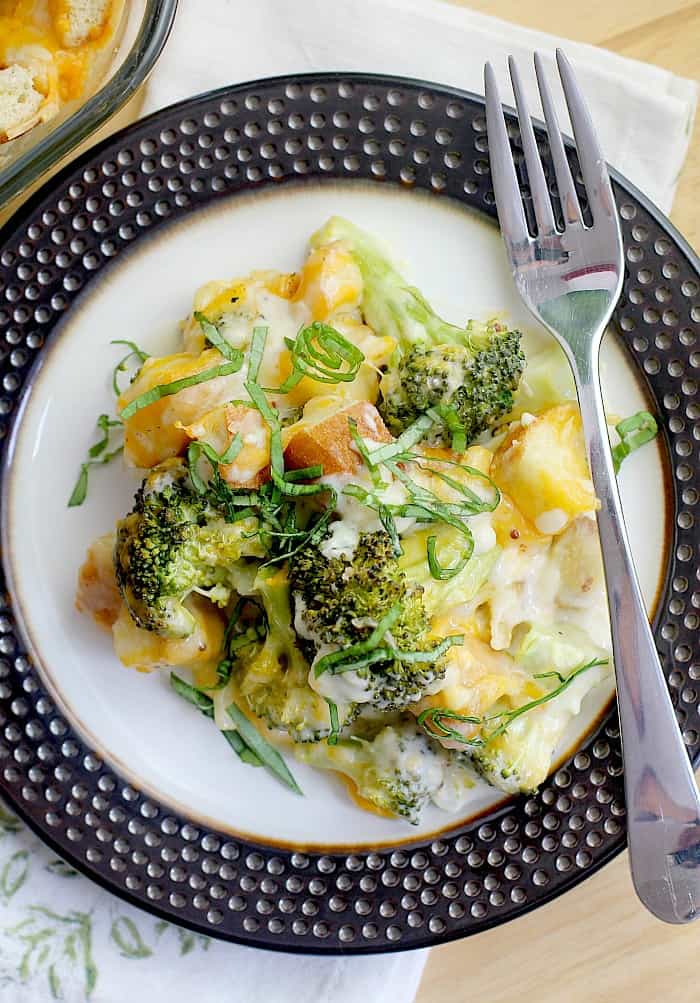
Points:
x=595 y=944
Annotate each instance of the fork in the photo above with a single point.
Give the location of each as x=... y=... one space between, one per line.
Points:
x=571 y=279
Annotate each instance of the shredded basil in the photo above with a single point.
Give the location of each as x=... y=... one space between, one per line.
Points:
x=213 y=336
x=441 y=572
x=205 y=704
x=135 y=352
x=634 y=432
x=266 y=753
x=335 y=723
x=432 y=720
x=335 y=658
x=197 y=449
x=323 y=354
x=374 y=473
x=374 y=649
x=257 y=349
x=407 y=440
x=454 y=426
x=168 y=389
x=98 y=454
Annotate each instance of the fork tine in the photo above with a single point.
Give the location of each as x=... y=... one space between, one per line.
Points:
x=590 y=157
x=535 y=173
x=565 y=183
x=511 y=214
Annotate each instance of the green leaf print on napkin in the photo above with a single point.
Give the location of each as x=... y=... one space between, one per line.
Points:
x=61 y=868
x=126 y=936
x=14 y=873
x=8 y=821
x=188 y=940
x=54 y=943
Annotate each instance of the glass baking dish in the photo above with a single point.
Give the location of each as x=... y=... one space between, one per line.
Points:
x=146 y=27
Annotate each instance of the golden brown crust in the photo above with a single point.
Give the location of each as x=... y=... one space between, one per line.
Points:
x=330 y=443
x=97 y=591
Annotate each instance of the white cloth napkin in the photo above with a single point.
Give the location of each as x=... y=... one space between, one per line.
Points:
x=62 y=936
x=643 y=114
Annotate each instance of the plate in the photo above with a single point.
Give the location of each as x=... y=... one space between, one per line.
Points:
x=105 y=764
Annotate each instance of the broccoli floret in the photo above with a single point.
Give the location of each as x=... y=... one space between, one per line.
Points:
x=519 y=760
x=339 y=601
x=398 y=770
x=473 y=370
x=175 y=542
x=477 y=383
x=273 y=676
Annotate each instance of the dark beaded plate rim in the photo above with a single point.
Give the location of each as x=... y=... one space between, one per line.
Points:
x=494 y=868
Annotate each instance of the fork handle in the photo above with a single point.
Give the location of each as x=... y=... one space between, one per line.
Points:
x=663 y=807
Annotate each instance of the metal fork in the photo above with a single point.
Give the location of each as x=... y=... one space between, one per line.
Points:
x=571 y=281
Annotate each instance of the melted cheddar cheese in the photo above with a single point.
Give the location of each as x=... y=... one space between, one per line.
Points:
x=64 y=64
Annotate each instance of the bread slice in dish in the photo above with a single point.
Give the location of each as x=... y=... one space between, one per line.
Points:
x=80 y=21
x=20 y=102
x=52 y=54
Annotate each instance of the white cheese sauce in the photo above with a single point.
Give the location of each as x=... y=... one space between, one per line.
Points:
x=283 y=319
x=355 y=517
x=483 y=532
x=551 y=522
x=546 y=581
x=344 y=687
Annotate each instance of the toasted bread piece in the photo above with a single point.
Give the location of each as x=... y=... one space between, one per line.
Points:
x=330 y=443
x=251 y=468
x=20 y=102
x=98 y=592
x=145 y=650
x=157 y=432
x=79 y=21
x=543 y=465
